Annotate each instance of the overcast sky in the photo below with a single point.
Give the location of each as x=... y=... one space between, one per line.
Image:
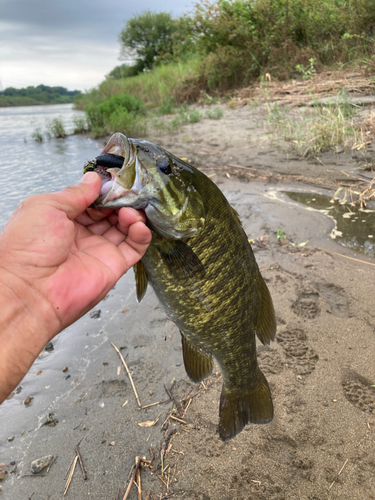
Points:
x=72 y=43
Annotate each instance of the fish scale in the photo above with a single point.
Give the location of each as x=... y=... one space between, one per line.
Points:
x=203 y=271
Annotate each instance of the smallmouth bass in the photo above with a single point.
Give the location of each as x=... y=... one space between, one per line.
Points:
x=202 y=269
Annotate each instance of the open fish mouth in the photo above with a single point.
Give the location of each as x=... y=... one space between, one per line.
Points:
x=121 y=173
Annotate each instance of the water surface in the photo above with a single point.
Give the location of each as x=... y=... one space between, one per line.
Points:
x=354 y=229
x=28 y=167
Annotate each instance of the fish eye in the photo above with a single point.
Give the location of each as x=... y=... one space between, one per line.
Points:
x=163 y=166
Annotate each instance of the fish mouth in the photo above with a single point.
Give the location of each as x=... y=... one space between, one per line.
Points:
x=121 y=185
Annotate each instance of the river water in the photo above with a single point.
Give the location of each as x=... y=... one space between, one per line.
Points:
x=28 y=167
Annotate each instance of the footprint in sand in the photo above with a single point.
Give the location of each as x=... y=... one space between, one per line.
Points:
x=307 y=303
x=359 y=392
x=303 y=358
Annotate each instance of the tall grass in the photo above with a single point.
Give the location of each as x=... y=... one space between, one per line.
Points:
x=155 y=88
x=317 y=129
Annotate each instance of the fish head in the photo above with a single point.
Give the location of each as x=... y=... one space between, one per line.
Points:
x=141 y=175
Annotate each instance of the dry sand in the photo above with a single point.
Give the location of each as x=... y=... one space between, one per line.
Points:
x=321 y=443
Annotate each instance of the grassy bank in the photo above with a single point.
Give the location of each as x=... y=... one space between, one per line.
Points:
x=232 y=44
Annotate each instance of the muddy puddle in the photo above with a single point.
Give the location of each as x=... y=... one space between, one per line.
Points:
x=354 y=229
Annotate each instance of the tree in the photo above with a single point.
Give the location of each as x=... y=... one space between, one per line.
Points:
x=148 y=35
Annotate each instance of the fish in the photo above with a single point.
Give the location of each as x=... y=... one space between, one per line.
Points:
x=202 y=269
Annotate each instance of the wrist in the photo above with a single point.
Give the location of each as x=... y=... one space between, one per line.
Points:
x=27 y=323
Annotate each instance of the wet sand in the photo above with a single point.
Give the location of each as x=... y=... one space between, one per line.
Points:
x=320 y=368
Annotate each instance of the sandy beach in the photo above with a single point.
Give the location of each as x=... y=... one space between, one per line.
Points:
x=321 y=443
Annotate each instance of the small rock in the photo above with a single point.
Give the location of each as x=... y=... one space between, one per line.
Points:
x=124 y=310
x=112 y=443
x=39 y=464
x=325 y=404
x=10 y=438
x=95 y=314
x=49 y=347
x=65 y=369
x=105 y=363
x=10 y=395
x=27 y=400
x=39 y=372
x=48 y=420
x=2 y=466
x=18 y=390
x=3 y=473
x=151 y=392
x=13 y=462
x=66 y=378
x=178 y=364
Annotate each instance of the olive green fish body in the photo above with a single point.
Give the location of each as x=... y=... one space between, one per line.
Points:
x=209 y=284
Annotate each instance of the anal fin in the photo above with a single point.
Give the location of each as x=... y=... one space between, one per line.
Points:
x=198 y=364
x=240 y=406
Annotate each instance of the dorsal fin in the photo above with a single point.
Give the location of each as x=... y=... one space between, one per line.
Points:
x=266 y=323
x=235 y=213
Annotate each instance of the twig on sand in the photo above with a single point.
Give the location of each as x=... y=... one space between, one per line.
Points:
x=138 y=483
x=138 y=461
x=50 y=465
x=178 y=419
x=118 y=494
x=70 y=465
x=81 y=463
x=71 y=474
x=346 y=256
x=128 y=372
x=336 y=478
x=168 y=392
x=154 y=404
x=148 y=496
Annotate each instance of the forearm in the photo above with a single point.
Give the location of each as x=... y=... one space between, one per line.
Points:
x=27 y=323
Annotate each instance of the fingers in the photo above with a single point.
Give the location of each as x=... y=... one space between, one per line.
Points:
x=74 y=200
x=128 y=216
x=136 y=244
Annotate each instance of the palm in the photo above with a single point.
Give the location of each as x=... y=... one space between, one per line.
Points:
x=73 y=264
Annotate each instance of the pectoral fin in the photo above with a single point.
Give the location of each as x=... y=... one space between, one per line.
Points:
x=198 y=364
x=141 y=279
x=266 y=324
x=181 y=260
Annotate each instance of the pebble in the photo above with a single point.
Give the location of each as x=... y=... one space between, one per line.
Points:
x=49 y=347
x=178 y=364
x=65 y=369
x=3 y=473
x=95 y=314
x=13 y=462
x=66 y=378
x=39 y=464
x=10 y=438
x=39 y=372
x=112 y=443
x=27 y=400
x=325 y=404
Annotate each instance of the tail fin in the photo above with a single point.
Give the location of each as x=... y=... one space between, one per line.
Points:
x=239 y=407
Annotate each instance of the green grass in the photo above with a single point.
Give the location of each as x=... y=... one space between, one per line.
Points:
x=154 y=88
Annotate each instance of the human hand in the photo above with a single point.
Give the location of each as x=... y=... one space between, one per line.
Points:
x=71 y=256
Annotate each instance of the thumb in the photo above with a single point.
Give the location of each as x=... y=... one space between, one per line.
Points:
x=74 y=200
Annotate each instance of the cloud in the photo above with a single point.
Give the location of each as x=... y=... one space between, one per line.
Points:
x=68 y=43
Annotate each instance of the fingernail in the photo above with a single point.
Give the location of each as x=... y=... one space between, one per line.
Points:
x=88 y=177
